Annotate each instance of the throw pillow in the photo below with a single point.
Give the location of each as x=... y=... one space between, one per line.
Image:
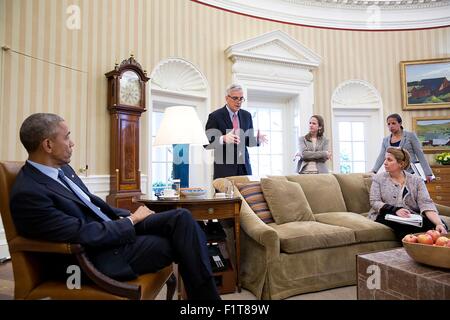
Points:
x=287 y=201
x=254 y=196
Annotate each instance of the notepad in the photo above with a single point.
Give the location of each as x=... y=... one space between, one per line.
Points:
x=413 y=220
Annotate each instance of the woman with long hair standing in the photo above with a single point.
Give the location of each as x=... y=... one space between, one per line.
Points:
x=403 y=139
x=313 y=148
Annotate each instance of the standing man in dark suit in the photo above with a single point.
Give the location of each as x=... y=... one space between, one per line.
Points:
x=230 y=132
x=50 y=202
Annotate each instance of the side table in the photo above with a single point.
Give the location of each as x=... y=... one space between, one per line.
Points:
x=205 y=209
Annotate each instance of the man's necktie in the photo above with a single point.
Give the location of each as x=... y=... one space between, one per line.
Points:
x=235 y=122
x=68 y=183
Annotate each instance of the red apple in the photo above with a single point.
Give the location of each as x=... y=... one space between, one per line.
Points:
x=434 y=234
x=448 y=244
x=441 y=241
x=424 y=239
x=410 y=238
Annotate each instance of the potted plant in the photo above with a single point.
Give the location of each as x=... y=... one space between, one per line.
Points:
x=443 y=158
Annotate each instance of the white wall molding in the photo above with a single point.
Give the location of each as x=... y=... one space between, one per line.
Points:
x=356 y=94
x=179 y=75
x=346 y=14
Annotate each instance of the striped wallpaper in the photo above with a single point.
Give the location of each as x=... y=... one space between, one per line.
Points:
x=51 y=67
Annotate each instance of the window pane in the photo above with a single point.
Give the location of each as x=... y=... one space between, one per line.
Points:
x=265 y=149
x=277 y=165
x=169 y=170
x=255 y=166
x=358 y=151
x=345 y=131
x=276 y=142
x=169 y=153
x=264 y=119
x=277 y=123
x=159 y=174
x=345 y=151
x=358 y=131
x=359 y=167
x=345 y=167
x=264 y=165
x=159 y=154
x=156 y=121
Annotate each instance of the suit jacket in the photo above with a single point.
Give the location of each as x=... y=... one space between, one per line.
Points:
x=44 y=209
x=409 y=142
x=227 y=157
x=310 y=153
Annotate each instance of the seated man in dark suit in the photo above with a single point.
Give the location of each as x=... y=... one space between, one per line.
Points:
x=50 y=202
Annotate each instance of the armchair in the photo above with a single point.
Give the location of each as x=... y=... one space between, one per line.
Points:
x=29 y=263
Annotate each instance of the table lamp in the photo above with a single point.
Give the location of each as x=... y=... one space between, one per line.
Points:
x=181 y=127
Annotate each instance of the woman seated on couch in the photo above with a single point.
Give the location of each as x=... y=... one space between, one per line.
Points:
x=401 y=193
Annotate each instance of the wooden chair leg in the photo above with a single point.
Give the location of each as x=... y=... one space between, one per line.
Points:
x=171 y=284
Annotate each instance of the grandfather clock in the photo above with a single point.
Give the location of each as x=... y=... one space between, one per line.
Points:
x=126 y=103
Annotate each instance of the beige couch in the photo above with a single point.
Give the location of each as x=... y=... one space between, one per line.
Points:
x=310 y=254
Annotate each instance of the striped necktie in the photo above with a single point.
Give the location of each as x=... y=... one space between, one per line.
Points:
x=68 y=183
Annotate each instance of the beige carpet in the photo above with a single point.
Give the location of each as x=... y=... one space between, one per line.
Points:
x=344 y=293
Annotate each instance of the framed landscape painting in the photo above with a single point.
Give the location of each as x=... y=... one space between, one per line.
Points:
x=433 y=133
x=425 y=84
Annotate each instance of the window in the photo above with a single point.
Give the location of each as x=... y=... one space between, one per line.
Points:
x=162 y=157
x=352 y=146
x=268 y=159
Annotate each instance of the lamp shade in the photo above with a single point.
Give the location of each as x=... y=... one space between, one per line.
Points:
x=180 y=125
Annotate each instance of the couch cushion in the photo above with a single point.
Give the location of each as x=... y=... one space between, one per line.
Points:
x=355 y=192
x=301 y=236
x=286 y=201
x=322 y=191
x=366 y=230
x=254 y=196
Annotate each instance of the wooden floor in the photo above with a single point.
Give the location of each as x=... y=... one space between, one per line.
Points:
x=6 y=281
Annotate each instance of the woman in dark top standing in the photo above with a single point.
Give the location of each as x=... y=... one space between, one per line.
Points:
x=406 y=140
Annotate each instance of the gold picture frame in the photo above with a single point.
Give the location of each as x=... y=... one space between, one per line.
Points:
x=425 y=84
x=433 y=133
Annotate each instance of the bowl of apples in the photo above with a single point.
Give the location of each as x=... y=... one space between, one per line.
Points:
x=429 y=248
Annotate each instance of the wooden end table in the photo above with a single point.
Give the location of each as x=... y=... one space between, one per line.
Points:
x=205 y=209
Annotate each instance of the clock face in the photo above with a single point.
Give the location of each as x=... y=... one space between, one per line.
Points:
x=130 y=89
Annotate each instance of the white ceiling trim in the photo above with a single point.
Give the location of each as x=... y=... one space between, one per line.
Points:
x=346 y=14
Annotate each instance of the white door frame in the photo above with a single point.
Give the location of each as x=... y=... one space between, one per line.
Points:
x=358 y=98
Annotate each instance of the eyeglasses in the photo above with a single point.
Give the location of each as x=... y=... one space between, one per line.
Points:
x=236 y=99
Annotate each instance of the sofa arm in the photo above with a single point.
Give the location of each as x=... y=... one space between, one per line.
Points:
x=443 y=210
x=262 y=233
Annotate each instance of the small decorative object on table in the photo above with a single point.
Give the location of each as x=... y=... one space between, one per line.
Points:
x=193 y=192
x=443 y=158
